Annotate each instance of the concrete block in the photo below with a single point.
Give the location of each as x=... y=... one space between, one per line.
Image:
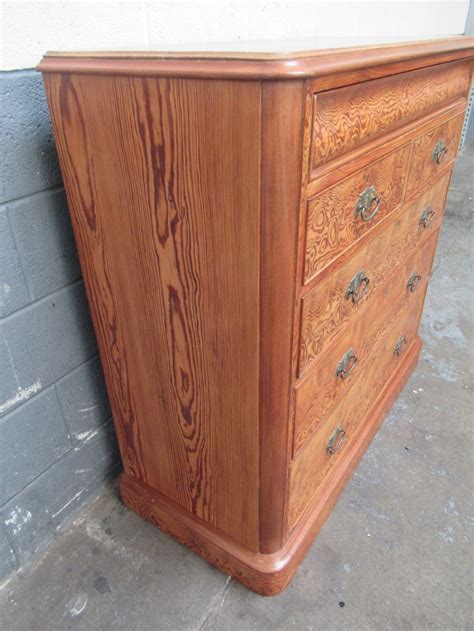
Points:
x=28 y=160
x=7 y=557
x=83 y=399
x=44 y=342
x=13 y=290
x=36 y=514
x=35 y=436
x=45 y=241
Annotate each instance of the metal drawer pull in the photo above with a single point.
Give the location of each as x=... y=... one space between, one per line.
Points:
x=338 y=437
x=440 y=152
x=354 y=291
x=368 y=204
x=400 y=345
x=346 y=365
x=413 y=282
x=427 y=217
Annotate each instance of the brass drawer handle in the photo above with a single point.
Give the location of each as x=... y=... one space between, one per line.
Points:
x=368 y=204
x=346 y=365
x=336 y=441
x=413 y=282
x=427 y=217
x=440 y=152
x=354 y=291
x=400 y=345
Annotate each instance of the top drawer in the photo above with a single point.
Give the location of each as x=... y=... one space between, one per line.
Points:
x=347 y=118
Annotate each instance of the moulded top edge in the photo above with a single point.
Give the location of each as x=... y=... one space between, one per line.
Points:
x=252 y=59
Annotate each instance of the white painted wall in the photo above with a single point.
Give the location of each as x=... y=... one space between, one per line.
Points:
x=30 y=28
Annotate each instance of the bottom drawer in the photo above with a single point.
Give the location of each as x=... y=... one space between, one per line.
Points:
x=328 y=444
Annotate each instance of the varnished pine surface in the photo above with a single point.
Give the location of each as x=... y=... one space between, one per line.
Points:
x=331 y=222
x=326 y=309
x=195 y=336
x=314 y=461
x=322 y=389
x=267 y=66
x=422 y=165
x=269 y=574
x=162 y=179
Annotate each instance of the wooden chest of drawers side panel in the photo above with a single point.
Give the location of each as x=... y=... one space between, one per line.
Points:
x=349 y=117
x=162 y=178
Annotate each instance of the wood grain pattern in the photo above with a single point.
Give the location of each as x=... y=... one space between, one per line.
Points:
x=216 y=245
x=325 y=309
x=349 y=117
x=159 y=174
x=314 y=462
x=329 y=174
x=322 y=63
x=282 y=108
x=322 y=389
x=268 y=574
x=422 y=166
x=331 y=222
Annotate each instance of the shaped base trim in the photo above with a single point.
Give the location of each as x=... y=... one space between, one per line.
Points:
x=266 y=574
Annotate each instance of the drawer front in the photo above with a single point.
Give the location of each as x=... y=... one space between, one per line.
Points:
x=328 y=444
x=346 y=359
x=347 y=118
x=432 y=152
x=339 y=216
x=340 y=297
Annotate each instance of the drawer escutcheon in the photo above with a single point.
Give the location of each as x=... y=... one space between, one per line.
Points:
x=368 y=204
x=346 y=365
x=440 y=152
x=400 y=345
x=354 y=291
x=336 y=441
x=426 y=217
x=413 y=282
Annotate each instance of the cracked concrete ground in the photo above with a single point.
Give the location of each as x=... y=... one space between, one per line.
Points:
x=396 y=553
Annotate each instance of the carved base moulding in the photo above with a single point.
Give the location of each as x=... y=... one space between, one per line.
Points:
x=256 y=233
x=266 y=574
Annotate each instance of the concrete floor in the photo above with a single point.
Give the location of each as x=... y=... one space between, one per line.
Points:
x=396 y=553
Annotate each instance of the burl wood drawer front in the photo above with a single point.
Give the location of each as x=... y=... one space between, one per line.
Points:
x=343 y=213
x=349 y=117
x=340 y=297
x=346 y=359
x=328 y=444
x=431 y=152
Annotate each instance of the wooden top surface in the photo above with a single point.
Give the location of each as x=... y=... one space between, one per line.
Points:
x=259 y=60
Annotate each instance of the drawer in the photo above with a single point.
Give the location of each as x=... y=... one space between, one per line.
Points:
x=340 y=215
x=338 y=299
x=347 y=118
x=432 y=152
x=326 y=447
x=346 y=359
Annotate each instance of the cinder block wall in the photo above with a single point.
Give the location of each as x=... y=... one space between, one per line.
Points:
x=57 y=442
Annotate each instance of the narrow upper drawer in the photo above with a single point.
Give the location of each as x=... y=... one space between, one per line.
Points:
x=432 y=152
x=340 y=215
x=347 y=118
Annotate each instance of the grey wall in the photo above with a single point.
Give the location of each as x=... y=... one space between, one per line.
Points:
x=57 y=445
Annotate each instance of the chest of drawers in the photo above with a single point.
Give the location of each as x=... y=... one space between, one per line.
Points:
x=256 y=233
